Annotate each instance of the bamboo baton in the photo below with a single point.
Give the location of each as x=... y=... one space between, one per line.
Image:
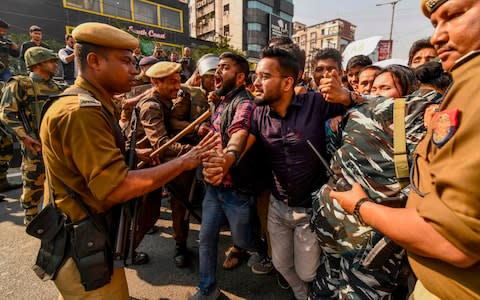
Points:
x=181 y=134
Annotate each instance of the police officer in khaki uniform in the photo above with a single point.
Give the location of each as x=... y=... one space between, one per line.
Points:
x=158 y=121
x=21 y=106
x=440 y=226
x=80 y=150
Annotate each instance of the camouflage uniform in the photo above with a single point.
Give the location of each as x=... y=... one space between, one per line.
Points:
x=20 y=94
x=6 y=154
x=188 y=106
x=365 y=156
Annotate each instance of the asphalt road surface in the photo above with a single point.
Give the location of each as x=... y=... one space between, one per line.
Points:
x=159 y=279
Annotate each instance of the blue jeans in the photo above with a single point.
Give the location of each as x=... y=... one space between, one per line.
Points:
x=219 y=205
x=5 y=75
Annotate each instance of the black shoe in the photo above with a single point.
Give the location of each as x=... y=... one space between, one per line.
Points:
x=181 y=256
x=2 y=197
x=152 y=230
x=7 y=186
x=282 y=282
x=140 y=258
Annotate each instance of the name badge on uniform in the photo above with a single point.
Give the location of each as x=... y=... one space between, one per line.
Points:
x=444 y=125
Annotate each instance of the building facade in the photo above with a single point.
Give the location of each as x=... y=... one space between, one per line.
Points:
x=336 y=33
x=153 y=21
x=248 y=24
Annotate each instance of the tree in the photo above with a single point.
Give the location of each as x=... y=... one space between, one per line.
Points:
x=222 y=44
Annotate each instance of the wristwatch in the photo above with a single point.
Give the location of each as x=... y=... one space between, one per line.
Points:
x=356 y=210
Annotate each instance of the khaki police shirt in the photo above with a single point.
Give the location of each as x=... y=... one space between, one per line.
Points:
x=156 y=126
x=79 y=150
x=449 y=175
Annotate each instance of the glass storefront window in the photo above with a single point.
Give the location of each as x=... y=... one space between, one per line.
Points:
x=118 y=8
x=93 y=5
x=170 y=18
x=145 y=12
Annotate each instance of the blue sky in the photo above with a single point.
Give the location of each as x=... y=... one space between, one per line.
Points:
x=409 y=25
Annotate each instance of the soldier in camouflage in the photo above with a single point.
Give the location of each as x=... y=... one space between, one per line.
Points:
x=349 y=269
x=192 y=101
x=6 y=155
x=20 y=110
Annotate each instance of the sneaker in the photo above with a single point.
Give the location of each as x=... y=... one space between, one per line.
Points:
x=263 y=267
x=253 y=259
x=282 y=282
x=213 y=295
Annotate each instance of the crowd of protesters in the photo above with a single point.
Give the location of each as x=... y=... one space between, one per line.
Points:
x=352 y=182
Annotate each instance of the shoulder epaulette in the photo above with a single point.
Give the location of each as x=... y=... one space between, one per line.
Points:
x=86 y=100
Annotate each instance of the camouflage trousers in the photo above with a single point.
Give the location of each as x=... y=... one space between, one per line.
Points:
x=6 y=154
x=33 y=178
x=349 y=269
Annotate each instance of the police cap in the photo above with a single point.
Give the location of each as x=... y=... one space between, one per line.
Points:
x=104 y=35
x=148 y=60
x=3 y=24
x=36 y=55
x=163 y=69
x=429 y=6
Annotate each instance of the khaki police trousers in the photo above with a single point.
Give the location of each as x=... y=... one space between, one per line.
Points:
x=70 y=288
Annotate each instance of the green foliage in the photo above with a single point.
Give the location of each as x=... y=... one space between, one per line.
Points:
x=222 y=44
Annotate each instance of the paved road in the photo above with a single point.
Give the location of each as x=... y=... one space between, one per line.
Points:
x=159 y=279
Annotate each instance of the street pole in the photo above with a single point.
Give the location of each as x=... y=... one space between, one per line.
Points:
x=393 y=4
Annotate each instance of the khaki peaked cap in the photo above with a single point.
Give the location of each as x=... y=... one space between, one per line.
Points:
x=104 y=35
x=429 y=6
x=163 y=69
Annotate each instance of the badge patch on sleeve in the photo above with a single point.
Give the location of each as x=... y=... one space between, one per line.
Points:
x=444 y=125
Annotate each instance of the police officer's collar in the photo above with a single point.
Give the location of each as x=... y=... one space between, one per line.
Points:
x=464 y=59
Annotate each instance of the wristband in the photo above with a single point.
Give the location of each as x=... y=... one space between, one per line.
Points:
x=356 y=210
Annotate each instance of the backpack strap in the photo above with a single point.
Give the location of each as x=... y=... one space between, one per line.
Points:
x=400 y=157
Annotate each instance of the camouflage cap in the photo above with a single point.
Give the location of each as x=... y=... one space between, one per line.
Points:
x=163 y=69
x=36 y=55
x=104 y=35
x=429 y=6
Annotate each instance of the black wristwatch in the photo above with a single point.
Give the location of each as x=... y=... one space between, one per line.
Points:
x=356 y=210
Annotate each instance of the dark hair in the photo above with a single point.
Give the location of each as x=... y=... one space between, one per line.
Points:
x=278 y=41
x=328 y=53
x=242 y=63
x=296 y=52
x=404 y=76
x=432 y=73
x=371 y=67
x=358 y=60
x=67 y=36
x=287 y=62
x=417 y=46
x=81 y=51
